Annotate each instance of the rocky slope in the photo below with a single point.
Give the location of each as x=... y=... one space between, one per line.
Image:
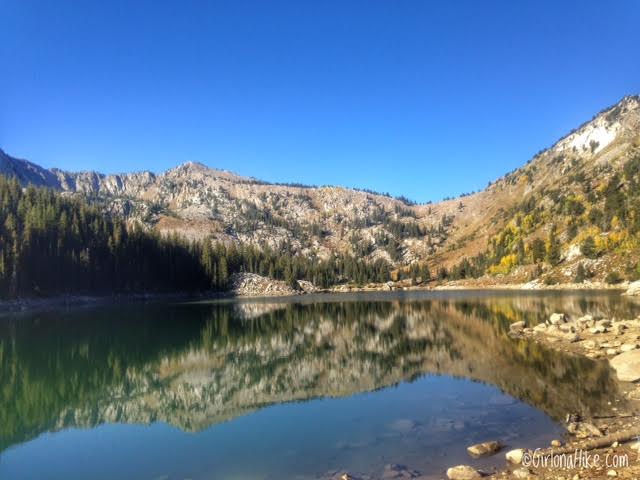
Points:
x=569 y=187
x=565 y=186
x=200 y=202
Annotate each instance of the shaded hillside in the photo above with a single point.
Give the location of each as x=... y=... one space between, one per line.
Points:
x=51 y=244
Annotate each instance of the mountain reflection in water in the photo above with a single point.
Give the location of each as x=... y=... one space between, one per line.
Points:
x=195 y=365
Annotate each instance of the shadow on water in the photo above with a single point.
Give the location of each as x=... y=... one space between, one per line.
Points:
x=196 y=365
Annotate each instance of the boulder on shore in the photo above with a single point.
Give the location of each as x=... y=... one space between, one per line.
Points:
x=627 y=366
x=253 y=285
x=517 y=327
x=515 y=456
x=633 y=290
x=557 y=318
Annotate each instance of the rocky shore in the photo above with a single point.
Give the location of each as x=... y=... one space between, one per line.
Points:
x=242 y=285
x=485 y=283
x=253 y=285
x=599 y=446
x=613 y=434
x=250 y=285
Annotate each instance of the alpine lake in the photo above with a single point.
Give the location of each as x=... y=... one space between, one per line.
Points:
x=288 y=388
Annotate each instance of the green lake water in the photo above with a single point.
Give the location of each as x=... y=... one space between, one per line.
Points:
x=288 y=388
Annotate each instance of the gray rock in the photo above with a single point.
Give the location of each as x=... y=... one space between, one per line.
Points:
x=572 y=337
x=515 y=456
x=403 y=425
x=463 y=472
x=343 y=476
x=584 y=429
x=586 y=319
x=627 y=347
x=619 y=328
x=567 y=327
x=394 y=471
x=517 y=326
x=634 y=289
x=523 y=473
x=627 y=366
x=484 y=448
x=557 y=318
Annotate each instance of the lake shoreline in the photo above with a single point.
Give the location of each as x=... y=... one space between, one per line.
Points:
x=611 y=435
x=502 y=339
x=28 y=304
x=479 y=284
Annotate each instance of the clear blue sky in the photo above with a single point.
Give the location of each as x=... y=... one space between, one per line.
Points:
x=420 y=98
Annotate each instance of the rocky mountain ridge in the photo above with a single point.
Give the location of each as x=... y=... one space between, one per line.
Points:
x=198 y=202
x=562 y=189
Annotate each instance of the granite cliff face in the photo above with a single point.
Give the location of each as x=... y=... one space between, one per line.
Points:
x=560 y=186
x=200 y=202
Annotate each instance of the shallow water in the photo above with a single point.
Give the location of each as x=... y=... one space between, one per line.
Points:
x=290 y=388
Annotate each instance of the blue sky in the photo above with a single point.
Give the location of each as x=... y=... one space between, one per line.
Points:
x=421 y=98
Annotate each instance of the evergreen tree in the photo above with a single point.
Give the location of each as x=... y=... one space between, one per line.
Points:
x=588 y=247
x=581 y=274
x=553 y=247
x=538 y=250
x=52 y=244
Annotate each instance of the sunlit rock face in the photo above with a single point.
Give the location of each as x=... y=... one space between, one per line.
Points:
x=194 y=366
x=201 y=202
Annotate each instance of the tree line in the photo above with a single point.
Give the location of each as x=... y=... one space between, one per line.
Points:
x=52 y=243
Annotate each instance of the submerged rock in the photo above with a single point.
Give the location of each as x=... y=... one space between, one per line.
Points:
x=394 y=471
x=403 y=425
x=485 y=448
x=341 y=475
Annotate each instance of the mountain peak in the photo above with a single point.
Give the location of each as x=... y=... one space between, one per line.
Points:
x=564 y=186
x=610 y=124
x=193 y=165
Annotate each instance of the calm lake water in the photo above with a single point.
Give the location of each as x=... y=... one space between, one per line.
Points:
x=287 y=389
